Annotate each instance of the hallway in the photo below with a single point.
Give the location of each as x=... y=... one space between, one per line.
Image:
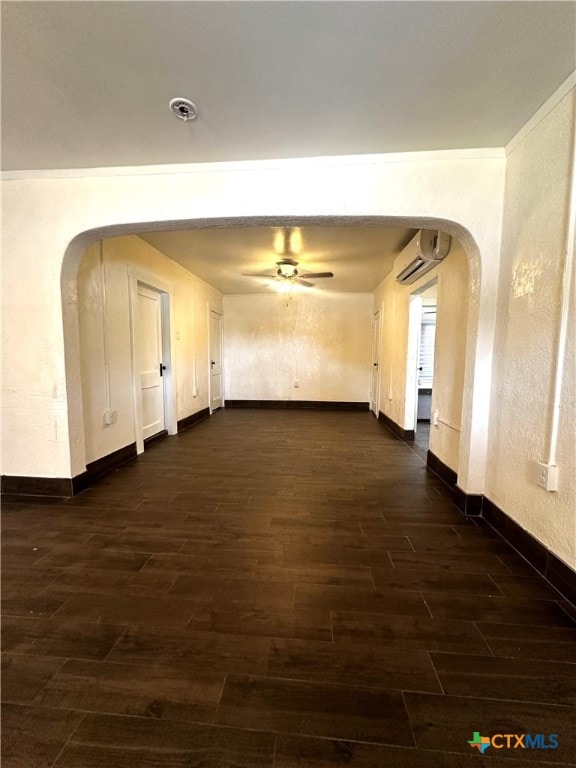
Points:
x=275 y=588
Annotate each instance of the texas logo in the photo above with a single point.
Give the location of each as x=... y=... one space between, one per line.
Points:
x=481 y=743
x=513 y=741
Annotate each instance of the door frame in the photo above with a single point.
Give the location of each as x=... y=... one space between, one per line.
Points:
x=138 y=277
x=217 y=311
x=376 y=334
x=413 y=354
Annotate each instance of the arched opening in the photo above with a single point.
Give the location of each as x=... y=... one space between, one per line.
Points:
x=70 y=305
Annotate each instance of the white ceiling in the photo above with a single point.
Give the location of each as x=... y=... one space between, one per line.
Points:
x=87 y=84
x=359 y=256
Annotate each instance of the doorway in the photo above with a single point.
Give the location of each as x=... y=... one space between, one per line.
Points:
x=215 y=373
x=420 y=364
x=152 y=368
x=425 y=378
x=375 y=373
x=426 y=355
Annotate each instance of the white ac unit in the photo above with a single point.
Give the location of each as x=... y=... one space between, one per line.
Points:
x=425 y=251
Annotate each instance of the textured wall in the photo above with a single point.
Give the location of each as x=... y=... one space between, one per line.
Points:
x=47 y=222
x=450 y=350
x=449 y=360
x=322 y=341
x=535 y=222
x=105 y=346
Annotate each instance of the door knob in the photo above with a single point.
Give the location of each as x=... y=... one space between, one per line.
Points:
x=162 y=368
x=212 y=363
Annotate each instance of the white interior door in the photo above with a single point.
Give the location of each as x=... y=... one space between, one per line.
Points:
x=149 y=358
x=216 y=393
x=375 y=382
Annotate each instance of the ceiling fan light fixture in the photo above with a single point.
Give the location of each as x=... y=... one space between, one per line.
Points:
x=287 y=270
x=286 y=274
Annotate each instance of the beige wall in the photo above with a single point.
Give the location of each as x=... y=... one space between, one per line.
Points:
x=48 y=221
x=450 y=354
x=322 y=341
x=533 y=254
x=105 y=345
x=393 y=300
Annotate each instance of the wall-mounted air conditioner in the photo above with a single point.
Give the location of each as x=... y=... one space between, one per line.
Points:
x=425 y=251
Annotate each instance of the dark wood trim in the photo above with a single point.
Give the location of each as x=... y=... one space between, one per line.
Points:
x=328 y=405
x=255 y=403
x=403 y=434
x=318 y=405
x=82 y=482
x=100 y=467
x=194 y=418
x=469 y=504
x=54 y=487
x=443 y=471
x=560 y=575
x=515 y=535
x=155 y=438
x=36 y=486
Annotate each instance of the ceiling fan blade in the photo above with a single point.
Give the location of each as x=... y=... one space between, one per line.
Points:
x=303 y=282
x=312 y=275
x=258 y=274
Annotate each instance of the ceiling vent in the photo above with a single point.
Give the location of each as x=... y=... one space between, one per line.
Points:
x=423 y=253
x=184 y=109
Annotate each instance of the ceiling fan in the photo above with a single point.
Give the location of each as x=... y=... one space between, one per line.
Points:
x=287 y=267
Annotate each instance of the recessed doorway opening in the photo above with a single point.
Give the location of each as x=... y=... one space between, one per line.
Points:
x=191 y=308
x=420 y=363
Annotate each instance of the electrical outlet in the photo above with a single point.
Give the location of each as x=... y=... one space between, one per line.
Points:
x=296 y=383
x=110 y=417
x=434 y=418
x=547 y=476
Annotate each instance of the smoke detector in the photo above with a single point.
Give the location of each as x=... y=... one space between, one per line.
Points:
x=184 y=109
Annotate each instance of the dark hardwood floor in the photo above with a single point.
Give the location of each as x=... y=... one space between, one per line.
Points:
x=271 y=588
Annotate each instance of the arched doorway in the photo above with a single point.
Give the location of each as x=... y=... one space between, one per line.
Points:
x=50 y=220
x=77 y=248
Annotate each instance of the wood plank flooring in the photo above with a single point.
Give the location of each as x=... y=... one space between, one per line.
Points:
x=275 y=589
